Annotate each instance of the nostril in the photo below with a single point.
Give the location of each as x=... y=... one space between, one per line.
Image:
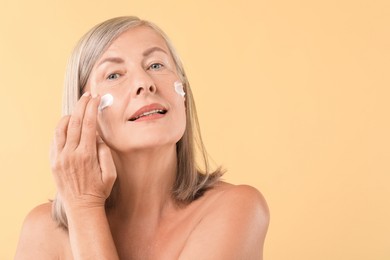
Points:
x=151 y=88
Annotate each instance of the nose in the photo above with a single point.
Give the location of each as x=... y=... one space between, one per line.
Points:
x=143 y=84
x=150 y=88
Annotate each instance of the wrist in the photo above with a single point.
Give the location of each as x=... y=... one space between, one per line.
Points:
x=80 y=207
x=78 y=216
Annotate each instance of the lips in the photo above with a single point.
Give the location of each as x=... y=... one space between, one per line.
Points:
x=148 y=110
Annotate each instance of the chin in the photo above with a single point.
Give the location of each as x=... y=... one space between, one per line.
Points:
x=143 y=143
x=129 y=140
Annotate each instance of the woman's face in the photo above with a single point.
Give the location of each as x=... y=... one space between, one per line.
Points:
x=139 y=72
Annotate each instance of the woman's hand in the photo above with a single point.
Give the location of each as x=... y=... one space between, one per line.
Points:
x=81 y=163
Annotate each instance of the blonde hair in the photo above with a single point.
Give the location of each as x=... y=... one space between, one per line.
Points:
x=191 y=179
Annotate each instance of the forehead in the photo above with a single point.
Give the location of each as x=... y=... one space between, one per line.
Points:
x=137 y=39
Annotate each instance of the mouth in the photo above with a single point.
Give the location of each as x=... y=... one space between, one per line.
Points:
x=148 y=111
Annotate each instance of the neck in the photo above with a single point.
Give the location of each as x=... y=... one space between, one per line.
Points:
x=144 y=183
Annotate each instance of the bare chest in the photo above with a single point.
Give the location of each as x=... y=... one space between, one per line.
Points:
x=140 y=243
x=166 y=242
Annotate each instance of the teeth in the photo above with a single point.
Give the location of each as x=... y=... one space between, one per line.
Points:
x=150 y=112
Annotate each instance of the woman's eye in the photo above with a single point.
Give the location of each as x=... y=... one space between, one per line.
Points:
x=113 y=76
x=156 y=66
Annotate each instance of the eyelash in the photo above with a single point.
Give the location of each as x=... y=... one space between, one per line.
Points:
x=161 y=66
x=150 y=67
x=108 y=77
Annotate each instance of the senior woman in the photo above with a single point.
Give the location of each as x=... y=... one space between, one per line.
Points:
x=128 y=183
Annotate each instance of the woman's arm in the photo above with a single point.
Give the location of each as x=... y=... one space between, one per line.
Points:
x=84 y=173
x=90 y=234
x=234 y=229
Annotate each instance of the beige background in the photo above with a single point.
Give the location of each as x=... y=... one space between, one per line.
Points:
x=293 y=98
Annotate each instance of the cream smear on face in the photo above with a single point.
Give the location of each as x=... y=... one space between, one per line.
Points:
x=106 y=101
x=179 y=88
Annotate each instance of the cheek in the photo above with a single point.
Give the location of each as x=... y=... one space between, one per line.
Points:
x=105 y=129
x=172 y=89
x=179 y=126
x=181 y=114
x=178 y=102
x=109 y=119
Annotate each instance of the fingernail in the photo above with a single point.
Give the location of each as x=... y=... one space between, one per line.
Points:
x=86 y=94
x=94 y=95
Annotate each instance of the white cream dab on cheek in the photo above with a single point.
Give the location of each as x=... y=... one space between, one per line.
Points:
x=106 y=101
x=179 y=88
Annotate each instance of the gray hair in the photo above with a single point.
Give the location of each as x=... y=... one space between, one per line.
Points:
x=191 y=179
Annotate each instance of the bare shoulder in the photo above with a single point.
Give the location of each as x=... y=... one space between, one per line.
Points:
x=234 y=224
x=40 y=237
x=242 y=198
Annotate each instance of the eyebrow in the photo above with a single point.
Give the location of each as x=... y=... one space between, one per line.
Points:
x=111 y=59
x=119 y=60
x=153 y=49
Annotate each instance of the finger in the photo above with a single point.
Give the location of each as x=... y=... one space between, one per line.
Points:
x=60 y=134
x=75 y=122
x=107 y=165
x=88 y=131
x=53 y=154
x=98 y=138
x=59 y=139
